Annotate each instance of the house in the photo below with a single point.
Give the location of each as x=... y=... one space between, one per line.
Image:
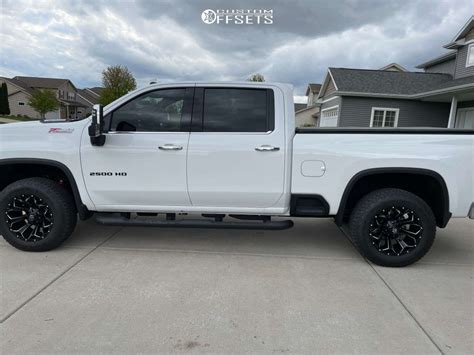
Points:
x=307 y=115
x=20 y=89
x=440 y=96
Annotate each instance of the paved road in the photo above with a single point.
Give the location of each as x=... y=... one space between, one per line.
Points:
x=169 y=290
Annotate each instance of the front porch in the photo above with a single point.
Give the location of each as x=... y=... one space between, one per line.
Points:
x=70 y=110
x=461 y=113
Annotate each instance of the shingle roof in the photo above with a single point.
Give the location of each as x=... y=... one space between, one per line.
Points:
x=442 y=58
x=44 y=83
x=453 y=83
x=314 y=88
x=20 y=84
x=86 y=94
x=97 y=90
x=299 y=107
x=386 y=82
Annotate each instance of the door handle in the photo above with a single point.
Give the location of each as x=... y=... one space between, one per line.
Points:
x=267 y=148
x=170 y=147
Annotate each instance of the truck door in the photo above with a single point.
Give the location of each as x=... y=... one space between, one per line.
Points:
x=236 y=156
x=142 y=164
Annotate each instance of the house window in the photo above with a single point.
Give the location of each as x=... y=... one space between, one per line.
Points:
x=470 y=56
x=70 y=96
x=329 y=117
x=384 y=117
x=21 y=103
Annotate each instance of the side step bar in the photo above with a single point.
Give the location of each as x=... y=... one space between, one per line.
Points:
x=119 y=220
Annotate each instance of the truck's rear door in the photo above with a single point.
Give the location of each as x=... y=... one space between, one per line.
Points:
x=236 y=148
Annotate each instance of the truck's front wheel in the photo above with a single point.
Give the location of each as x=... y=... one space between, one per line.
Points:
x=36 y=214
x=392 y=227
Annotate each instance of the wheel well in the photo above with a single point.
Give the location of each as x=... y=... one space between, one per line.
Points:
x=426 y=184
x=11 y=171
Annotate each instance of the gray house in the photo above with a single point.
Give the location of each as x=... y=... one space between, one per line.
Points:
x=306 y=115
x=440 y=96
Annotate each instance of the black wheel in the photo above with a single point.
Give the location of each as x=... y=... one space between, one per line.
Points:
x=36 y=214
x=392 y=227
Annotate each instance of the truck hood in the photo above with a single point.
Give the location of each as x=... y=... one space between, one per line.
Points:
x=35 y=138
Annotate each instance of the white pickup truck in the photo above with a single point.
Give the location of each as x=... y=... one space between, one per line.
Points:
x=229 y=153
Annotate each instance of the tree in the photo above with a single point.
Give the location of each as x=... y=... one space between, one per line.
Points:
x=256 y=77
x=117 y=80
x=4 y=106
x=43 y=101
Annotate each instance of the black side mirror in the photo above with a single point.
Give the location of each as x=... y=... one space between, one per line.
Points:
x=96 y=129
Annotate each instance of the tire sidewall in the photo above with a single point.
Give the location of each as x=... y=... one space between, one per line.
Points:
x=427 y=238
x=54 y=237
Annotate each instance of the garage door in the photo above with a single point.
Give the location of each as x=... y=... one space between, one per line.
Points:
x=329 y=117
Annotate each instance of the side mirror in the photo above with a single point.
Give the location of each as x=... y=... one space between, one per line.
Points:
x=96 y=129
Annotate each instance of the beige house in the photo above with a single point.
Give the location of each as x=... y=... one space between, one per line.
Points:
x=20 y=89
x=307 y=116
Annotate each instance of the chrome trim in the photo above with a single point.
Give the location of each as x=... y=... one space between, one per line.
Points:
x=170 y=147
x=266 y=148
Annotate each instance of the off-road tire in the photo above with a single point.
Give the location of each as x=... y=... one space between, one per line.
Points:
x=59 y=201
x=370 y=205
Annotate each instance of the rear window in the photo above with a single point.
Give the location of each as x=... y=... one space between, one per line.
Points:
x=238 y=110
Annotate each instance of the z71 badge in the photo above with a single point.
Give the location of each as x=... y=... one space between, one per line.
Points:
x=108 y=173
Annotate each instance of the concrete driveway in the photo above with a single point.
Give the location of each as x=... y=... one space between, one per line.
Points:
x=304 y=290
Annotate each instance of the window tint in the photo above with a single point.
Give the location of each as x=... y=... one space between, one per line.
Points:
x=236 y=110
x=156 y=111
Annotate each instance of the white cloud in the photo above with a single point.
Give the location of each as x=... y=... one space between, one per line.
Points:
x=167 y=41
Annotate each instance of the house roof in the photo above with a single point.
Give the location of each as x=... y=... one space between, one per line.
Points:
x=95 y=90
x=385 y=82
x=299 y=107
x=42 y=83
x=89 y=96
x=394 y=67
x=458 y=40
x=21 y=85
x=442 y=58
x=451 y=85
x=314 y=88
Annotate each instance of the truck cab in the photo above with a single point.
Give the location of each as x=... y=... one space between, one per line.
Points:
x=213 y=148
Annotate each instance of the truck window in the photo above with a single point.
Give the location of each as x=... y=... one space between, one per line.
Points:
x=156 y=111
x=237 y=110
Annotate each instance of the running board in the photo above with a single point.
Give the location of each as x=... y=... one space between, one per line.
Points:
x=117 y=220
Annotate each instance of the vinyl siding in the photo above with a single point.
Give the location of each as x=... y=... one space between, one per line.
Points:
x=304 y=118
x=470 y=35
x=356 y=112
x=445 y=67
x=330 y=89
x=25 y=109
x=461 y=69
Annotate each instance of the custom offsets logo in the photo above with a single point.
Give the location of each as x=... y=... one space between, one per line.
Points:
x=238 y=17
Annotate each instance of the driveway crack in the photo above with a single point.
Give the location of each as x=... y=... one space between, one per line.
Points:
x=5 y=318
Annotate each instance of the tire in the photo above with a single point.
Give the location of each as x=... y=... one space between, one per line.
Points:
x=392 y=227
x=44 y=206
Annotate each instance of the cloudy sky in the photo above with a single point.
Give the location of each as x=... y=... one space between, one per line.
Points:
x=168 y=41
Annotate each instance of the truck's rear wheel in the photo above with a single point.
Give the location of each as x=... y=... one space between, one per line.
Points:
x=36 y=214
x=392 y=227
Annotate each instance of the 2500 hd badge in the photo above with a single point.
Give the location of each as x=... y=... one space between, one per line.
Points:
x=108 y=173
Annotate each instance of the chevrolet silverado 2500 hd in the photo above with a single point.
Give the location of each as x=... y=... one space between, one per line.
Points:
x=229 y=153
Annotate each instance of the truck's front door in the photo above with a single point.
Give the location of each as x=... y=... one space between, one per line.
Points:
x=142 y=165
x=236 y=156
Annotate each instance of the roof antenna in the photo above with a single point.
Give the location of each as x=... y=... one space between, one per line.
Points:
x=154 y=81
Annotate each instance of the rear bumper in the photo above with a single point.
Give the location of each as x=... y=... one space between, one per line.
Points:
x=471 y=211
